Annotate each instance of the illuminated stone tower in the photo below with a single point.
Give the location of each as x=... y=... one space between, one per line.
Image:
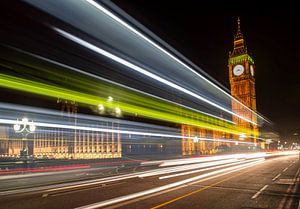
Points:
x=242 y=84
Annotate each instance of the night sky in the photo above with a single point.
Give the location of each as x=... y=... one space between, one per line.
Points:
x=204 y=34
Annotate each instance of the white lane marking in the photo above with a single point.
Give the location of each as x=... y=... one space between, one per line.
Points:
x=276 y=177
x=284 y=170
x=169 y=186
x=86 y=189
x=45 y=195
x=295 y=186
x=260 y=191
x=285 y=199
x=299 y=205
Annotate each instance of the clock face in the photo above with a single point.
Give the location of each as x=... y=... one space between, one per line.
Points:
x=252 y=70
x=238 y=70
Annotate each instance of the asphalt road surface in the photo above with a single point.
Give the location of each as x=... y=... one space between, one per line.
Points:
x=245 y=183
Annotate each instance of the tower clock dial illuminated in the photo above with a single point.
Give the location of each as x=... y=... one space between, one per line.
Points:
x=238 y=70
x=252 y=70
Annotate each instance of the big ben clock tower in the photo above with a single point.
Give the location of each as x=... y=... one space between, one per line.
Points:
x=242 y=84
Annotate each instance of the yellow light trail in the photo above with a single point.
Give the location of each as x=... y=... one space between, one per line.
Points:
x=159 y=111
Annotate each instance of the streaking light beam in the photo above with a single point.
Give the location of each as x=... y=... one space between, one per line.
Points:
x=143 y=71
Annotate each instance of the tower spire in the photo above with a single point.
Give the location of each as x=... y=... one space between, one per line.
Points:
x=239 y=46
x=239 y=34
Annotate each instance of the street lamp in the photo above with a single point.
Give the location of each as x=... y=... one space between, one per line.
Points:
x=24 y=127
x=197 y=146
x=243 y=136
x=118 y=111
x=196 y=139
x=110 y=99
x=101 y=108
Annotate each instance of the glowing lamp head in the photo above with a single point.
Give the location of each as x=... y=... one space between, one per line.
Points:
x=32 y=127
x=196 y=139
x=242 y=136
x=24 y=120
x=110 y=99
x=17 y=127
x=101 y=108
x=118 y=111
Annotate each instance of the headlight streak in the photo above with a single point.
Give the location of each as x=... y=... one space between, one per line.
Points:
x=115 y=83
x=42 y=113
x=176 y=169
x=181 y=161
x=51 y=125
x=84 y=183
x=203 y=177
x=55 y=91
x=145 y=72
x=123 y=23
x=174 y=162
x=204 y=169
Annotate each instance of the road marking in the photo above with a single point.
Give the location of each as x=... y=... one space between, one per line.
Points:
x=284 y=170
x=276 y=177
x=143 y=198
x=299 y=205
x=287 y=167
x=196 y=191
x=82 y=190
x=284 y=201
x=260 y=191
x=210 y=175
x=285 y=181
x=295 y=186
x=45 y=195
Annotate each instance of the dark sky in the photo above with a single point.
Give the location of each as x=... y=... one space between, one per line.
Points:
x=204 y=34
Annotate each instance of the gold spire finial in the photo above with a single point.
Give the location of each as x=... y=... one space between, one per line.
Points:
x=239 y=34
x=239 y=46
x=239 y=24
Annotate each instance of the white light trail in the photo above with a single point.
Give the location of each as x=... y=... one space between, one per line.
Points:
x=117 y=84
x=139 y=133
x=84 y=183
x=4 y=107
x=174 y=162
x=204 y=169
x=120 y=21
x=181 y=168
x=143 y=71
x=211 y=175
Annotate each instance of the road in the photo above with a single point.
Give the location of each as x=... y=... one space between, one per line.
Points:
x=231 y=183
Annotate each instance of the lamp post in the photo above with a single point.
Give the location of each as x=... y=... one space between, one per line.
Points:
x=24 y=127
x=114 y=110
x=196 y=141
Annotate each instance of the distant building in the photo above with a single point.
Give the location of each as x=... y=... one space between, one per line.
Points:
x=58 y=143
x=242 y=84
x=76 y=144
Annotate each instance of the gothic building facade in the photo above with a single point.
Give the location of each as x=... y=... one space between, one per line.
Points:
x=242 y=85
